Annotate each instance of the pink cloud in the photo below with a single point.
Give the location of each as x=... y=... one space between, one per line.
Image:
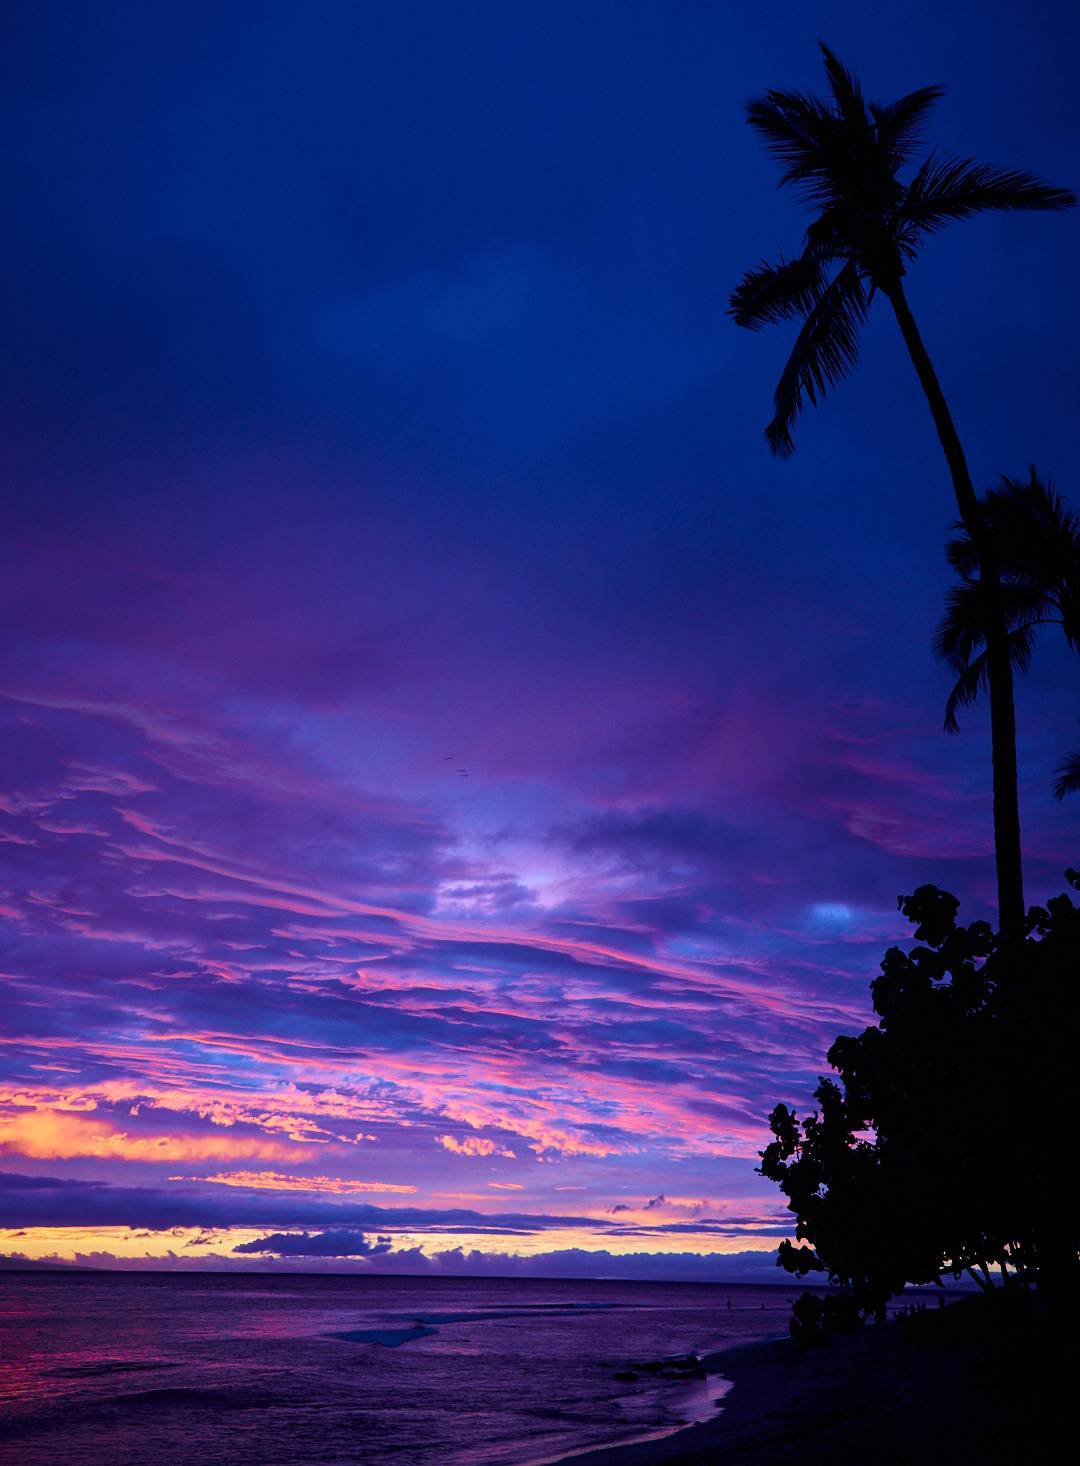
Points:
x=473 y=1145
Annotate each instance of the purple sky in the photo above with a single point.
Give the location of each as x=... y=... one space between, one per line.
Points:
x=454 y=783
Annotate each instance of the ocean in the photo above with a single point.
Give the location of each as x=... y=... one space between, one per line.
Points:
x=141 y=1369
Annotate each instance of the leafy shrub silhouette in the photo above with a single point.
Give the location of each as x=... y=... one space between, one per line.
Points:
x=948 y=1142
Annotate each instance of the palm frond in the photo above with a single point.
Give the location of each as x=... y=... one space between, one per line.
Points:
x=975 y=675
x=824 y=353
x=962 y=629
x=1068 y=776
x=955 y=188
x=828 y=237
x=1021 y=647
x=962 y=554
x=900 y=124
x=792 y=126
x=972 y=680
x=1068 y=604
x=779 y=292
x=1036 y=540
x=1042 y=534
x=845 y=87
x=844 y=156
x=1039 y=534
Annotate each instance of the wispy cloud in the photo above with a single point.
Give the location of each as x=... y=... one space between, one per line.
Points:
x=276 y=1181
x=439 y=749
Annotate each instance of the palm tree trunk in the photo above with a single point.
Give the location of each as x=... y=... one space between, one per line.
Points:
x=1007 y=850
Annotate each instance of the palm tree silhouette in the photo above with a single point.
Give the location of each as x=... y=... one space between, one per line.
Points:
x=845 y=156
x=1068 y=776
x=1036 y=542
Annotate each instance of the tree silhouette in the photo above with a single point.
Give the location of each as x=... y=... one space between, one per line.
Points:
x=845 y=156
x=945 y=1146
x=1068 y=776
x=1036 y=541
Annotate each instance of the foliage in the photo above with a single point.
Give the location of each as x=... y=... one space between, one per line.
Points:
x=946 y=1144
x=846 y=157
x=1068 y=776
x=1036 y=541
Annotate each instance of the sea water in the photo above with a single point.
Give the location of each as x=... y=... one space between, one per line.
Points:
x=142 y=1369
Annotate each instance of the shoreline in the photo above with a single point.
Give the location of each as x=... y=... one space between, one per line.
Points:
x=885 y=1395
x=730 y=1367
x=706 y=1390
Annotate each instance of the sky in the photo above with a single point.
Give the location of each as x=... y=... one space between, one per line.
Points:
x=453 y=782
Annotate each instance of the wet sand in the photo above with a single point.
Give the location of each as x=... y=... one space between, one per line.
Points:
x=887 y=1396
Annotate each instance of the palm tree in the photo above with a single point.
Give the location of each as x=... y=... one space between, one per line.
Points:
x=846 y=156
x=1035 y=539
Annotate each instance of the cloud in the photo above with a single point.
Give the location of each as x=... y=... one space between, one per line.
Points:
x=56 y=1134
x=474 y=1145
x=738 y=1267
x=251 y=905
x=51 y=1201
x=319 y=1244
x=277 y=1181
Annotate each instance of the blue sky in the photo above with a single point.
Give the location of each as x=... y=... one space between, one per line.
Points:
x=445 y=757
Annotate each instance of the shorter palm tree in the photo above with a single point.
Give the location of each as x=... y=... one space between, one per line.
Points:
x=1068 y=776
x=1036 y=540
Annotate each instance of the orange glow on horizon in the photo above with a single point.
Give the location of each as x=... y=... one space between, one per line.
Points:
x=117 y=1246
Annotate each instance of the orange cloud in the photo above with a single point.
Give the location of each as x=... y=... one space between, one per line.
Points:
x=278 y=1181
x=58 y=1134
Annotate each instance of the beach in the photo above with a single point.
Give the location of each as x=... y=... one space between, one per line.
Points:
x=220 y=1370
x=886 y=1396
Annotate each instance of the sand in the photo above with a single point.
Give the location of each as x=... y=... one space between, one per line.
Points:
x=888 y=1396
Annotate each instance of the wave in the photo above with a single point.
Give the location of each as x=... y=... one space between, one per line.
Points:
x=97 y=1368
x=388 y=1338
x=103 y=1412
x=422 y=1323
x=531 y=1310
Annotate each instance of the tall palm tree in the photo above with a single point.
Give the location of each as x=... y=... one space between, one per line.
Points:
x=1036 y=540
x=845 y=156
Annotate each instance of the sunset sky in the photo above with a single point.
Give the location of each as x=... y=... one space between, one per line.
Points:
x=453 y=781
